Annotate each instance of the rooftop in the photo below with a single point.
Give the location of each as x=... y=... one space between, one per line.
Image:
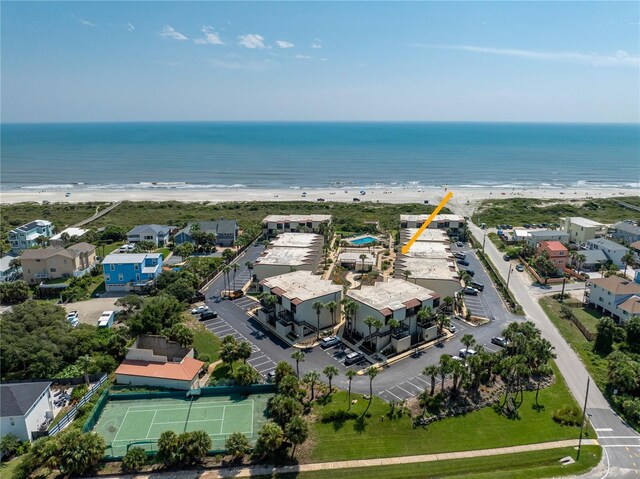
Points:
x=296 y=218
x=427 y=268
x=46 y=253
x=70 y=232
x=129 y=258
x=185 y=370
x=628 y=227
x=17 y=398
x=617 y=285
x=423 y=249
x=584 y=222
x=351 y=257
x=33 y=224
x=554 y=246
x=155 y=228
x=603 y=243
x=82 y=247
x=286 y=256
x=297 y=240
x=631 y=305
x=593 y=256
x=440 y=217
x=5 y=262
x=428 y=235
x=302 y=285
x=635 y=245
x=216 y=227
x=548 y=233
x=390 y=294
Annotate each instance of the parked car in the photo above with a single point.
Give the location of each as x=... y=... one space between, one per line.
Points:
x=463 y=262
x=457 y=358
x=452 y=328
x=520 y=268
x=426 y=202
x=506 y=257
x=329 y=341
x=320 y=199
x=460 y=255
x=463 y=353
x=353 y=358
x=500 y=341
x=271 y=377
x=199 y=309
x=470 y=272
x=478 y=286
x=356 y=200
x=198 y=296
x=459 y=244
x=208 y=315
x=238 y=293
x=527 y=225
x=73 y=316
x=470 y=291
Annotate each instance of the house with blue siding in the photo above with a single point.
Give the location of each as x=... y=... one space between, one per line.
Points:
x=27 y=236
x=131 y=272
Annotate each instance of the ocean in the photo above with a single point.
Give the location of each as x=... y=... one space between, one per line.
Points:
x=317 y=155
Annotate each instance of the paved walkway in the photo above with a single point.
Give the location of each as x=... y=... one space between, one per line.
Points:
x=387 y=461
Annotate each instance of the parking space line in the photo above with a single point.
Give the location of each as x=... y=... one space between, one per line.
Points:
x=428 y=383
x=399 y=387
x=394 y=395
x=258 y=357
x=493 y=350
x=260 y=364
x=417 y=387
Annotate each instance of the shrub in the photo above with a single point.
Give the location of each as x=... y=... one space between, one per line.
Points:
x=134 y=459
x=568 y=416
x=9 y=444
x=339 y=415
x=78 y=392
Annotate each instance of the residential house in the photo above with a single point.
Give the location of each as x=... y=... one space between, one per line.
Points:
x=26 y=236
x=293 y=315
x=130 y=272
x=537 y=236
x=350 y=259
x=226 y=232
x=581 y=229
x=394 y=299
x=613 y=250
x=155 y=361
x=74 y=234
x=157 y=234
x=25 y=409
x=53 y=262
x=8 y=272
x=627 y=231
x=289 y=252
x=442 y=221
x=273 y=225
x=593 y=260
x=558 y=253
x=615 y=296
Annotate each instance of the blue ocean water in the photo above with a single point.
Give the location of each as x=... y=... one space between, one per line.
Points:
x=308 y=155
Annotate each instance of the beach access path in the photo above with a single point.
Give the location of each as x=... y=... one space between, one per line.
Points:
x=98 y=214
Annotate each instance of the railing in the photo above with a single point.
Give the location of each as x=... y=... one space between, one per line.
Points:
x=74 y=410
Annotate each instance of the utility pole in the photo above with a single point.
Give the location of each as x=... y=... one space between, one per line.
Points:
x=564 y=280
x=509 y=277
x=483 y=241
x=584 y=413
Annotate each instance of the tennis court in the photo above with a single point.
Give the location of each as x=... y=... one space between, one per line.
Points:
x=141 y=421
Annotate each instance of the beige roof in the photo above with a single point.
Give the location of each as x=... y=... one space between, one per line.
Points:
x=301 y=285
x=427 y=268
x=295 y=218
x=631 y=305
x=424 y=249
x=423 y=218
x=584 y=222
x=297 y=240
x=391 y=294
x=70 y=232
x=617 y=285
x=46 y=253
x=428 y=235
x=286 y=256
x=82 y=247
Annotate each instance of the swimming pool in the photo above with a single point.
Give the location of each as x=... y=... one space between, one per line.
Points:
x=363 y=240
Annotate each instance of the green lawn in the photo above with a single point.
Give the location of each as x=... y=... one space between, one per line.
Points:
x=526 y=465
x=495 y=239
x=7 y=468
x=108 y=248
x=375 y=437
x=595 y=364
x=206 y=343
x=165 y=252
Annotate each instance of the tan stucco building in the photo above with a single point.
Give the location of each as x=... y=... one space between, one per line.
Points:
x=41 y=264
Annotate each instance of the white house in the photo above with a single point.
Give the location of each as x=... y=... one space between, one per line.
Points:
x=289 y=252
x=628 y=231
x=611 y=249
x=296 y=293
x=582 y=229
x=75 y=233
x=7 y=271
x=157 y=234
x=25 y=408
x=615 y=296
x=441 y=221
x=536 y=236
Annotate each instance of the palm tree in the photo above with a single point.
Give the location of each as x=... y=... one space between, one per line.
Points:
x=406 y=273
x=627 y=259
x=423 y=316
x=468 y=340
x=332 y=306
x=235 y=268
x=443 y=321
x=448 y=303
x=350 y=309
x=350 y=375
x=393 y=324
x=318 y=306
x=445 y=367
x=244 y=351
x=330 y=371
x=372 y=372
x=544 y=370
x=377 y=324
x=369 y=321
x=457 y=369
x=581 y=259
x=298 y=357
x=431 y=371
x=311 y=378
x=270 y=300
x=248 y=264
x=85 y=362
x=362 y=258
x=225 y=272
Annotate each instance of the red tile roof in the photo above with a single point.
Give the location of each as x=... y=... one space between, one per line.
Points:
x=553 y=245
x=277 y=291
x=412 y=303
x=183 y=371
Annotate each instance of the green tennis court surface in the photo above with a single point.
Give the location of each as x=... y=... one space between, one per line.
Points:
x=141 y=421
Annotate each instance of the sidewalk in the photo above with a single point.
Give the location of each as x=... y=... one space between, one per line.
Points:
x=388 y=461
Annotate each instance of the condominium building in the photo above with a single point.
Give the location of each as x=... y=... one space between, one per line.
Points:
x=274 y=225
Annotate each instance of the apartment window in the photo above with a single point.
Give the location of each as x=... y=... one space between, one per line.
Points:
x=53 y=270
x=13 y=422
x=112 y=267
x=136 y=267
x=37 y=261
x=120 y=277
x=137 y=277
x=107 y=277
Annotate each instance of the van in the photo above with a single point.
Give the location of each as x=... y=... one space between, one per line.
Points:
x=460 y=255
x=478 y=286
x=106 y=319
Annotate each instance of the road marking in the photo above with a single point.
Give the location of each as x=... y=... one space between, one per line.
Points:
x=260 y=364
x=428 y=383
x=394 y=395
x=405 y=248
x=399 y=387
x=637 y=438
x=257 y=357
x=417 y=387
x=604 y=429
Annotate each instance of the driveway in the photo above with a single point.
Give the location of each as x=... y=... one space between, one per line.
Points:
x=91 y=309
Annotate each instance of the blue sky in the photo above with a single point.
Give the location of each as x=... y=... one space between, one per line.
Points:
x=316 y=61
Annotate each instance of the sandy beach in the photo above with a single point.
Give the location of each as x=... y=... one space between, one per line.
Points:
x=463 y=198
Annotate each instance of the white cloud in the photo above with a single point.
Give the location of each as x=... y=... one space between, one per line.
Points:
x=284 y=44
x=87 y=23
x=240 y=64
x=620 y=57
x=303 y=57
x=211 y=37
x=252 y=40
x=130 y=27
x=170 y=32
x=316 y=43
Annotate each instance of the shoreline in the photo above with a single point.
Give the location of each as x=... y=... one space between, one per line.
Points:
x=461 y=195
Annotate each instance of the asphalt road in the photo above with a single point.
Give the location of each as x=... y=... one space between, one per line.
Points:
x=399 y=381
x=621 y=443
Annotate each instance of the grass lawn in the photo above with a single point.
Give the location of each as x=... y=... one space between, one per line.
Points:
x=375 y=437
x=165 y=252
x=7 y=468
x=595 y=364
x=526 y=465
x=495 y=239
x=108 y=248
x=205 y=342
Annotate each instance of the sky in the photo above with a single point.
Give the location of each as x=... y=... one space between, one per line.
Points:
x=320 y=61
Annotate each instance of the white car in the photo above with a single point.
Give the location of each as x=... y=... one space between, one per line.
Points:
x=200 y=310
x=73 y=316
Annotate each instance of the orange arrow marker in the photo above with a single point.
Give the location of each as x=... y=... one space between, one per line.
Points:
x=405 y=248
